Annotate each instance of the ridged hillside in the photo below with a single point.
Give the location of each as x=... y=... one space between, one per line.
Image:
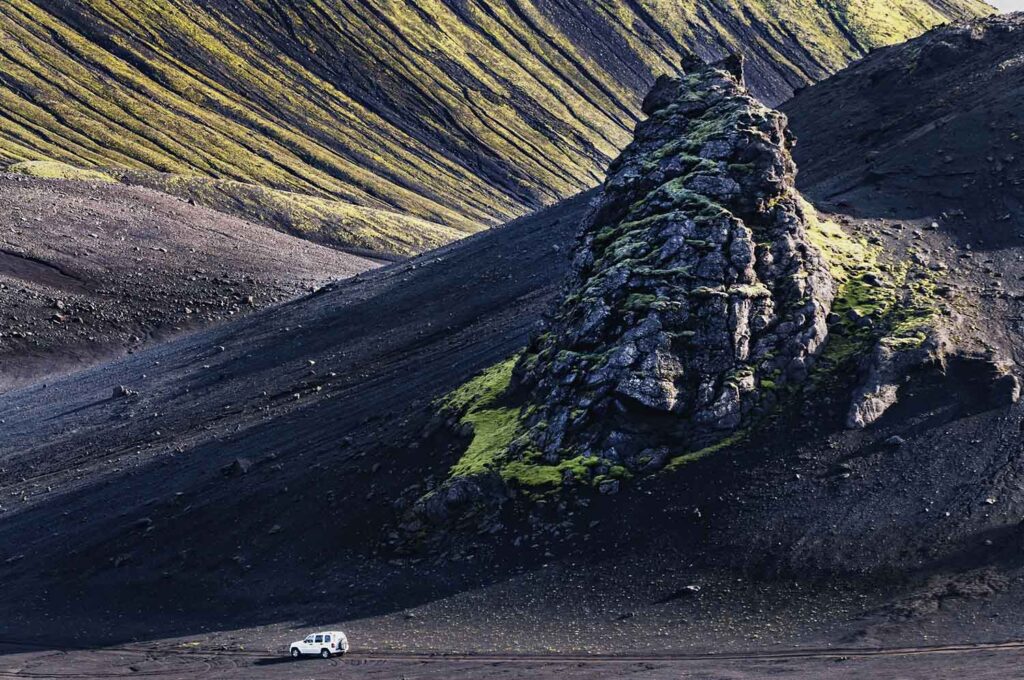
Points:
x=461 y=113
x=365 y=231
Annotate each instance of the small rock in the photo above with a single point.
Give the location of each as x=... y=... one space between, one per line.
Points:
x=872 y=279
x=238 y=466
x=1005 y=390
x=121 y=391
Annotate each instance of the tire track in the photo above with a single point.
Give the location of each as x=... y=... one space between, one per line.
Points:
x=209 y=656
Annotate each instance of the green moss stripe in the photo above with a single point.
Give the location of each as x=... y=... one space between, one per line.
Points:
x=460 y=113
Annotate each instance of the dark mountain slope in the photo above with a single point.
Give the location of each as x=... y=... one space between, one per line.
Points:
x=928 y=173
x=91 y=269
x=232 y=443
x=463 y=113
x=801 y=530
x=929 y=127
x=930 y=133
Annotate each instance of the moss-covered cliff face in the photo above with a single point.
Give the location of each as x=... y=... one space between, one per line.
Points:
x=460 y=113
x=707 y=300
x=697 y=294
x=696 y=290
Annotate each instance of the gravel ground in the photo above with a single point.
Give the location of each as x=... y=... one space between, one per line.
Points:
x=91 y=271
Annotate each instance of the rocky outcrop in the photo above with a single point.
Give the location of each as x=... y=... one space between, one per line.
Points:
x=885 y=369
x=985 y=381
x=695 y=292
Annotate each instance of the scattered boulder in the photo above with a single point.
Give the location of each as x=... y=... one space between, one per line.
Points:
x=122 y=391
x=1005 y=390
x=457 y=495
x=237 y=467
x=885 y=369
x=983 y=380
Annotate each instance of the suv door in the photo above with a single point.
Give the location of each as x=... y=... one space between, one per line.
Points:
x=308 y=647
x=328 y=639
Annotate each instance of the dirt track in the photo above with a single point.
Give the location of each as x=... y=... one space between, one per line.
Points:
x=939 y=662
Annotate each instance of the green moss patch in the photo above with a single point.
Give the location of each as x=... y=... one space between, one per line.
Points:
x=496 y=419
x=899 y=300
x=482 y=401
x=693 y=456
x=58 y=170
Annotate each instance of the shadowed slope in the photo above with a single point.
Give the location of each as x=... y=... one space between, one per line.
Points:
x=930 y=128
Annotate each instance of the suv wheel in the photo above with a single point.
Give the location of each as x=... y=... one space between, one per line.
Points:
x=296 y=653
x=325 y=653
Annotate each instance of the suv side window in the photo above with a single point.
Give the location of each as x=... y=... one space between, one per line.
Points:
x=327 y=638
x=309 y=640
x=319 y=638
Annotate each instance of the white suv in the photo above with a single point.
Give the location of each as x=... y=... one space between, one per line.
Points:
x=325 y=644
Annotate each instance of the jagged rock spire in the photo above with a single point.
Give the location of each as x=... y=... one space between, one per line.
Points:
x=695 y=292
x=689 y=62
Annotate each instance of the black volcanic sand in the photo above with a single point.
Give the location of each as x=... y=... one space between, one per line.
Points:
x=926 y=128
x=90 y=271
x=245 y=496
